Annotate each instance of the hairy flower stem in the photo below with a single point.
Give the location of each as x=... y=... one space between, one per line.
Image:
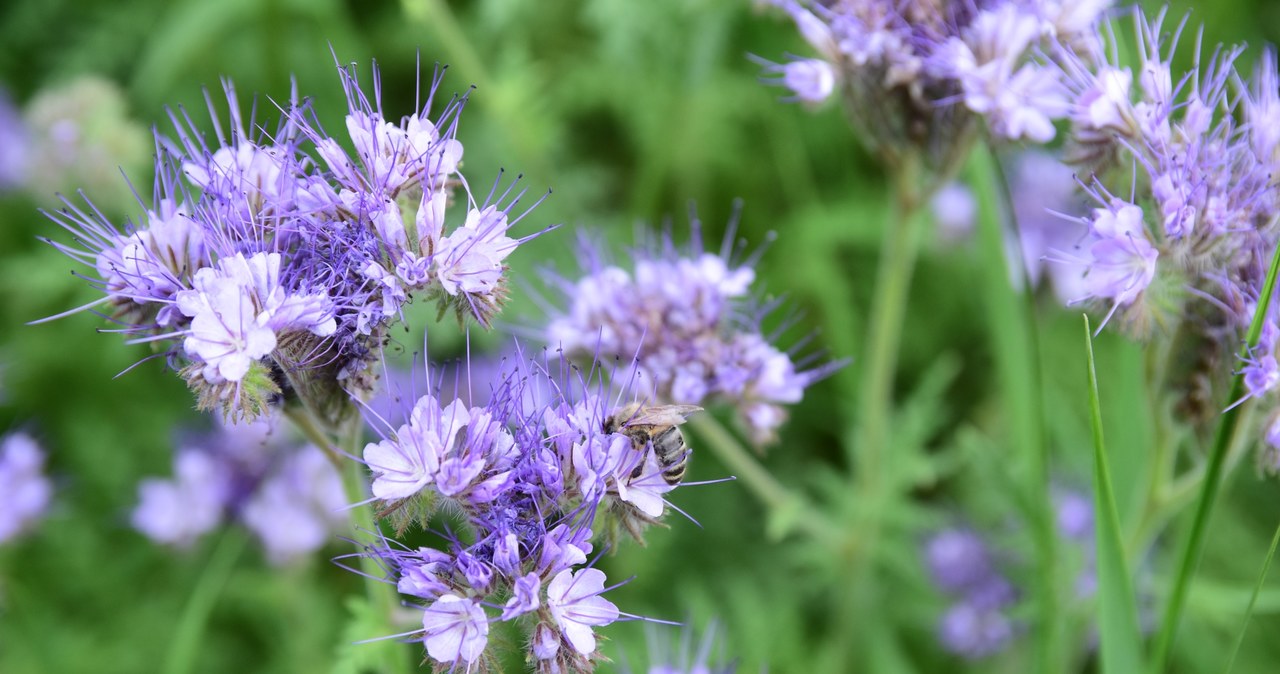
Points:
x=888 y=308
x=184 y=645
x=786 y=508
x=382 y=597
x=1212 y=482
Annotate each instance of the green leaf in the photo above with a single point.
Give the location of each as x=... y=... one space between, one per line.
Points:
x=1117 y=610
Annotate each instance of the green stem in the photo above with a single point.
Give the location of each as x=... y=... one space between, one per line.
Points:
x=185 y=643
x=888 y=309
x=785 y=507
x=382 y=596
x=1212 y=482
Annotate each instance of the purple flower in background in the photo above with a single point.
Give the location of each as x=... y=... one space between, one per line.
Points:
x=289 y=496
x=975 y=632
x=961 y=563
x=298 y=507
x=686 y=317
x=14 y=145
x=958 y=559
x=179 y=511
x=24 y=490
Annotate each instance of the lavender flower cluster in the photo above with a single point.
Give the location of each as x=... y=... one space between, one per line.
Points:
x=274 y=262
x=686 y=316
x=25 y=492
x=290 y=496
x=963 y=564
x=534 y=474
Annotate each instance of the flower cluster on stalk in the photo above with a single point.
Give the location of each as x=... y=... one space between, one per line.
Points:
x=289 y=495
x=273 y=262
x=533 y=475
x=915 y=74
x=688 y=318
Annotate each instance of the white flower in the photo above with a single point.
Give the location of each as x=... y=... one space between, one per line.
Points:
x=574 y=600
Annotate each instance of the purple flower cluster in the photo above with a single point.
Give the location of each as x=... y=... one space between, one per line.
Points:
x=962 y=565
x=686 y=316
x=24 y=490
x=914 y=72
x=1046 y=209
x=534 y=475
x=276 y=261
x=289 y=496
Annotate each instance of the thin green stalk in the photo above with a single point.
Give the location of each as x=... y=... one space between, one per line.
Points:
x=185 y=643
x=382 y=597
x=1212 y=482
x=785 y=507
x=1015 y=344
x=1116 y=606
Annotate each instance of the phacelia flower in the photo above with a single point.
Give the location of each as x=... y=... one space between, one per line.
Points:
x=275 y=262
x=915 y=75
x=686 y=316
x=25 y=492
x=534 y=470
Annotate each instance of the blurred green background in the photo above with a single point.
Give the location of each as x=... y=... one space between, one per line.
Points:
x=631 y=112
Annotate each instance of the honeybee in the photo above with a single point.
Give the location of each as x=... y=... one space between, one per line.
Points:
x=657 y=426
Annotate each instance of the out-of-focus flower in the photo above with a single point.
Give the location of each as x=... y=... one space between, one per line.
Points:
x=289 y=496
x=686 y=317
x=25 y=492
x=962 y=564
x=15 y=145
x=80 y=136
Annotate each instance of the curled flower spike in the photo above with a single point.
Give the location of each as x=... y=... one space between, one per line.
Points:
x=686 y=316
x=274 y=263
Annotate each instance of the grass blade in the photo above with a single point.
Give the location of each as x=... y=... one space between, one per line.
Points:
x=1253 y=601
x=1212 y=481
x=1117 y=610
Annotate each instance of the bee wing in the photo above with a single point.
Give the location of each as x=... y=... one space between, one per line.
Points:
x=662 y=415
